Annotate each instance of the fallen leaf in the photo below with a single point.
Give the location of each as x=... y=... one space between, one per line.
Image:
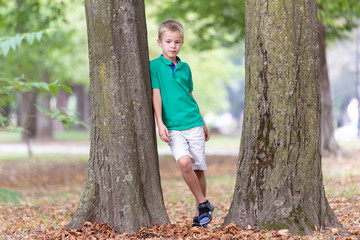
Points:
x=284 y=231
x=334 y=231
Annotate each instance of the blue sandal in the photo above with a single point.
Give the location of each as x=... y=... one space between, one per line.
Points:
x=205 y=213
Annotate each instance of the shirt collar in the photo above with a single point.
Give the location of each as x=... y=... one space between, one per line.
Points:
x=168 y=62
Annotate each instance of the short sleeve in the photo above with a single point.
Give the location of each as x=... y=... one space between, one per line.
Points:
x=191 y=86
x=154 y=76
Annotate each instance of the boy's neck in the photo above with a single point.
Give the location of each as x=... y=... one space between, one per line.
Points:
x=173 y=60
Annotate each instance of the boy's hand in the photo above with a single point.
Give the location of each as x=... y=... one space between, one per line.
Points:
x=164 y=133
x=206 y=133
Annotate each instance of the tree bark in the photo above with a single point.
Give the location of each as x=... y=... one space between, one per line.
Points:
x=27 y=114
x=81 y=105
x=279 y=181
x=358 y=75
x=62 y=102
x=123 y=182
x=328 y=142
x=44 y=123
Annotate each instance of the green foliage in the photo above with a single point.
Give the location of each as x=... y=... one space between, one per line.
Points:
x=7 y=195
x=215 y=23
x=62 y=56
x=19 y=16
x=66 y=119
x=10 y=86
x=13 y=42
x=60 y=59
x=338 y=16
x=222 y=23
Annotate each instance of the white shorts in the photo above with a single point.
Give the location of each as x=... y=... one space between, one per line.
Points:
x=189 y=142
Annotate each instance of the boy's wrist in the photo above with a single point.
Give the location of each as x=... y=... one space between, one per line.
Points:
x=160 y=124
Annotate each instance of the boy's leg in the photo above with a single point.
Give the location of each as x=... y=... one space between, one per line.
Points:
x=188 y=143
x=202 y=181
x=191 y=178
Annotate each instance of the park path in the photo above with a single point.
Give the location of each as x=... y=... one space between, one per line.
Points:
x=62 y=147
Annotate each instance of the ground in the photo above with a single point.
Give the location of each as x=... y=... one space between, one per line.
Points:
x=51 y=186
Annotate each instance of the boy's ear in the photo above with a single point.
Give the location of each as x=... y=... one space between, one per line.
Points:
x=159 y=42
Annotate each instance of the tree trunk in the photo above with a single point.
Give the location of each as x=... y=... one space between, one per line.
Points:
x=44 y=123
x=358 y=75
x=28 y=114
x=81 y=106
x=279 y=182
x=328 y=142
x=123 y=182
x=62 y=102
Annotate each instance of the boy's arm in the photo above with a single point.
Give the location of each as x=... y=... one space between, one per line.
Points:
x=206 y=131
x=157 y=103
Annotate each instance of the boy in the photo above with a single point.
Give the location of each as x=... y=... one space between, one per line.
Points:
x=178 y=118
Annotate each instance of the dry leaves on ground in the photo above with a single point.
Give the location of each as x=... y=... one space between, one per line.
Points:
x=51 y=193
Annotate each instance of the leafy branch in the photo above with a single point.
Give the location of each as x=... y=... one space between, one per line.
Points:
x=64 y=118
x=14 y=42
x=18 y=84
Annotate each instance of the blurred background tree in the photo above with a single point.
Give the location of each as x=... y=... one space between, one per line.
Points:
x=61 y=58
x=336 y=18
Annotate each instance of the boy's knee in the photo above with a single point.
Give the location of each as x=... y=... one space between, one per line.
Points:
x=185 y=163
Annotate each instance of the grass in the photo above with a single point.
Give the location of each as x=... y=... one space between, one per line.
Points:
x=350 y=187
x=10 y=137
x=15 y=137
x=48 y=157
x=13 y=157
x=72 y=136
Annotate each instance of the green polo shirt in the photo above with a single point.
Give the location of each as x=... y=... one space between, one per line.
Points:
x=179 y=109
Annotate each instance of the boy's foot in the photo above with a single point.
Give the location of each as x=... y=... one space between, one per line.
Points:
x=205 y=213
x=197 y=224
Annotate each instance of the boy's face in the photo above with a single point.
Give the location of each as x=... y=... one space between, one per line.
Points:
x=170 y=43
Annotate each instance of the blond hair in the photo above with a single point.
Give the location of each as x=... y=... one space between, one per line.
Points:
x=171 y=25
